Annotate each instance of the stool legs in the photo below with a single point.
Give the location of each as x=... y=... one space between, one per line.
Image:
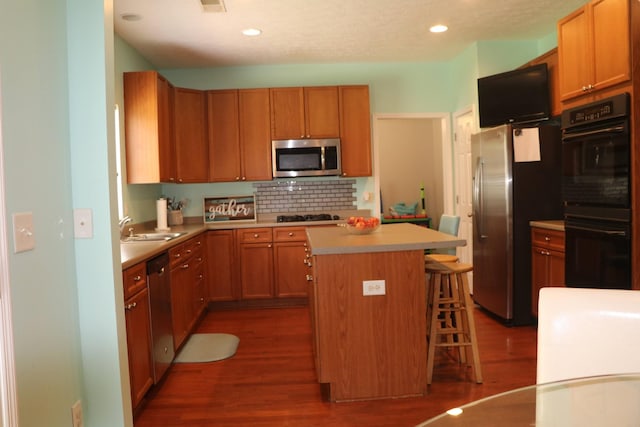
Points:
x=450 y=321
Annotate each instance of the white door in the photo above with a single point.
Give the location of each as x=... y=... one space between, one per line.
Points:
x=464 y=126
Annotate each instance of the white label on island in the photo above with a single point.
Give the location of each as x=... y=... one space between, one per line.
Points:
x=373 y=287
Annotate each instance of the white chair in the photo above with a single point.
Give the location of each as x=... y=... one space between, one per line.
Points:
x=587 y=332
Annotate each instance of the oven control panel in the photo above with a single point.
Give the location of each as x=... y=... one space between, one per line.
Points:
x=613 y=107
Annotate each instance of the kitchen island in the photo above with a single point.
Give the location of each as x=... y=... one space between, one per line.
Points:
x=367 y=302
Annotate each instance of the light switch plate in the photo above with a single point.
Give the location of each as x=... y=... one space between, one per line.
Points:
x=82 y=223
x=373 y=287
x=23 y=236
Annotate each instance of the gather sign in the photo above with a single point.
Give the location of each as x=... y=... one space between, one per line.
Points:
x=229 y=208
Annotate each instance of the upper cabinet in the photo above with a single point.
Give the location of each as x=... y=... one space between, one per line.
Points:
x=309 y=112
x=355 y=130
x=192 y=152
x=593 y=48
x=148 y=128
x=239 y=135
x=179 y=135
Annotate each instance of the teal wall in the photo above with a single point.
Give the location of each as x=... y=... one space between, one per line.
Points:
x=56 y=81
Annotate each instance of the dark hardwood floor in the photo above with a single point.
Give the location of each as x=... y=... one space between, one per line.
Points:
x=271 y=379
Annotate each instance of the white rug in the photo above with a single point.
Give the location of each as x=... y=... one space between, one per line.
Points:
x=208 y=348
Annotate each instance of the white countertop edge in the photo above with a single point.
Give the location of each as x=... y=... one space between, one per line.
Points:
x=556 y=224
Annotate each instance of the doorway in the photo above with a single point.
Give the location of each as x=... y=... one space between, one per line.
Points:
x=411 y=151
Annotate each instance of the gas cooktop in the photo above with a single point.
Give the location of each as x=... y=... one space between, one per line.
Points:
x=310 y=217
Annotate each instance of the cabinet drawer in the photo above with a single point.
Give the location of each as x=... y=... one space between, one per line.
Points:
x=289 y=234
x=193 y=246
x=551 y=239
x=134 y=279
x=177 y=254
x=254 y=235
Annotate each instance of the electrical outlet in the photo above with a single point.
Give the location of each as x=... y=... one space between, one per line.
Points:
x=76 y=415
x=373 y=287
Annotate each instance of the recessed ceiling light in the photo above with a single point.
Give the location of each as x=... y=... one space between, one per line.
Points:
x=130 y=17
x=251 y=32
x=438 y=28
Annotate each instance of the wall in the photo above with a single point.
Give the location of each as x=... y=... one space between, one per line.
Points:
x=65 y=334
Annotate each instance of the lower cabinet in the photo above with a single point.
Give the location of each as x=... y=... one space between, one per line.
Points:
x=547 y=262
x=269 y=263
x=138 y=326
x=188 y=299
x=255 y=255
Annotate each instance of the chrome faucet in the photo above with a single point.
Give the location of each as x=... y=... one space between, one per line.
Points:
x=123 y=222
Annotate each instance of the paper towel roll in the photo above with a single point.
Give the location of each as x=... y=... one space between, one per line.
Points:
x=161 y=213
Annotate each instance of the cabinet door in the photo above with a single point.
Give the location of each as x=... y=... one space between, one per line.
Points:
x=256 y=270
x=539 y=275
x=556 y=268
x=224 y=135
x=148 y=128
x=139 y=347
x=255 y=134
x=181 y=307
x=355 y=130
x=287 y=113
x=290 y=269
x=192 y=152
x=197 y=282
x=322 y=117
x=610 y=20
x=575 y=53
x=221 y=266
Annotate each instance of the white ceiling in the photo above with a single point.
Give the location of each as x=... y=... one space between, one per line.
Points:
x=180 y=34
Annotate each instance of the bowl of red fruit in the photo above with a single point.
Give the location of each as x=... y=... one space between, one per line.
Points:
x=362 y=225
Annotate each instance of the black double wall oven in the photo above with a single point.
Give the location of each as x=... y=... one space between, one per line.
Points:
x=596 y=191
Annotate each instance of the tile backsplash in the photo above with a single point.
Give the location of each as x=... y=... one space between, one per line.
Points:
x=305 y=196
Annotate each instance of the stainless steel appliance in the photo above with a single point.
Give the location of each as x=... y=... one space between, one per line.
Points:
x=507 y=195
x=158 y=279
x=305 y=157
x=596 y=181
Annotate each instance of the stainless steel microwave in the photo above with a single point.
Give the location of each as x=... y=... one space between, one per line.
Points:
x=305 y=157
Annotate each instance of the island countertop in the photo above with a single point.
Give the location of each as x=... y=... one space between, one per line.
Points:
x=387 y=238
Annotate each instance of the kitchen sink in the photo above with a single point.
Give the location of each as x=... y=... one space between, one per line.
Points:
x=152 y=237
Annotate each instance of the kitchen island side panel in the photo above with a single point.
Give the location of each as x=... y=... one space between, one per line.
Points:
x=371 y=347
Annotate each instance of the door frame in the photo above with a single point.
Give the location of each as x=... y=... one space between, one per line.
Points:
x=8 y=395
x=447 y=153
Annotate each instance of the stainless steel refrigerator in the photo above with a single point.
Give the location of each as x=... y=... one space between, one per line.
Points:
x=507 y=195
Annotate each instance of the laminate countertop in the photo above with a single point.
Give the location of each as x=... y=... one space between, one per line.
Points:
x=556 y=224
x=387 y=238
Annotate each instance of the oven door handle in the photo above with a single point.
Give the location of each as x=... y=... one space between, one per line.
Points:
x=598 y=230
x=612 y=129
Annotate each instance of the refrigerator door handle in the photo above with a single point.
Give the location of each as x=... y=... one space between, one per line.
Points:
x=478 y=198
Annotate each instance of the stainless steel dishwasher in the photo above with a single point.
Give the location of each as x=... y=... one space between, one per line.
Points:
x=161 y=325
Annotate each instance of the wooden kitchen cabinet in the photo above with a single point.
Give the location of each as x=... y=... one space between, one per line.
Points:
x=309 y=112
x=547 y=262
x=191 y=143
x=594 y=48
x=355 y=130
x=188 y=299
x=148 y=125
x=239 y=135
x=255 y=255
x=290 y=256
x=221 y=266
x=138 y=327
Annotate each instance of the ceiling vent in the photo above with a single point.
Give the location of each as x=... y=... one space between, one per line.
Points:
x=213 y=6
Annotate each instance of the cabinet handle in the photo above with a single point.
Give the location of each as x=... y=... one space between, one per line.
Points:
x=177 y=255
x=185 y=266
x=547 y=239
x=290 y=234
x=188 y=251
x=131 y=306
x=309 y=278
x=244 y=178
x=255 y=236
x=137 y=278
x=237 y=178
x=269 y=245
